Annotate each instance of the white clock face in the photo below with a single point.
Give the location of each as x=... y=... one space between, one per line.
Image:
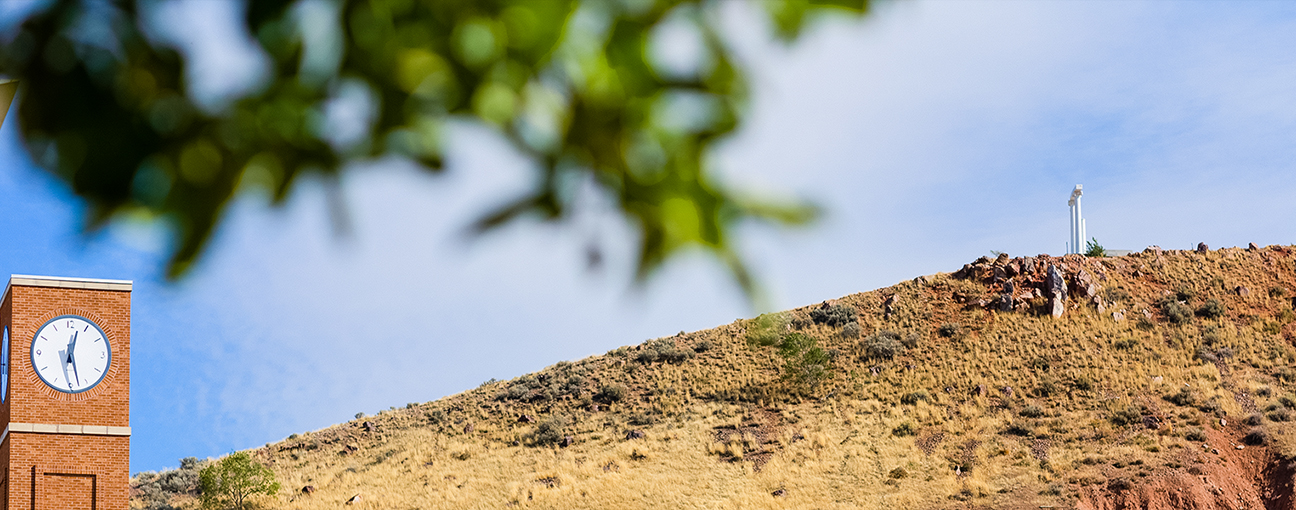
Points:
x=71 y=354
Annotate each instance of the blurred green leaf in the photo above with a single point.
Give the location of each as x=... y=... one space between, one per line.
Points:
x=569 y=83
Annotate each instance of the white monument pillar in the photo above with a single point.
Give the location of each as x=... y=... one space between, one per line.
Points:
x=1077 y=222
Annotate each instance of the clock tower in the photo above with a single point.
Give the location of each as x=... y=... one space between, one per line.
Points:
x=65 y=394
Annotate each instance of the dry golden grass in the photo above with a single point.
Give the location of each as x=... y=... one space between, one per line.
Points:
x=1020 y=409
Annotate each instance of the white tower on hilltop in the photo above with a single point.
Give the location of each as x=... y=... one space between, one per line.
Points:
x=1078 y=237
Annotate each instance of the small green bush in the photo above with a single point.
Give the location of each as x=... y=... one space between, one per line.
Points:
x=550 y=431
x=1128 y=415
x=233 y=481
x=1257 y=437
x=611 y=393
x=1212 y=309
x=915 y=397
x=1093 y=249
x=1083 y=383
x=950 y=329
x=883 y=345
x=1126 y=344
x=833 y=316
x=1031 y=411
x=805 y=364
x=1184 y=398
x=904 y=429
x=1177 y=312
x=767 y=329
x=851 y=331
x=1195 y=434
x=1280 y=413
x=156 y=490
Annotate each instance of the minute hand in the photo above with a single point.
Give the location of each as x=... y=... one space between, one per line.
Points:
x=72 y=358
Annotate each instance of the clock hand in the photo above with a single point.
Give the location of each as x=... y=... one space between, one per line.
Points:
x=72 y=359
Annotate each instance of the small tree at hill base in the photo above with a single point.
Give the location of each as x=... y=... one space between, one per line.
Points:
x=230 y=482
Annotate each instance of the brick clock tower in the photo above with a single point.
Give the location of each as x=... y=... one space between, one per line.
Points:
x=65 y=390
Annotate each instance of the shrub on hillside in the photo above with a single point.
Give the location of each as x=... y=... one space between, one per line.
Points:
x=1031 y=411
x=1176 y=312
x=767 y=329
x=882 y=345
x=232 y=482
x=157 y=491
x=949 y=329
x=550 y=431
x=611 y=393
x=1211 y=309
x=1184 y=398
x=663 y=350
x=1257 y=437
x=915 y=397
x=833 y=316
x=805 y=364
x=904 y=429
x=1083 y=383
x=910 y=340
x=1195 y=434
x=851 y=331
x=1128 y=415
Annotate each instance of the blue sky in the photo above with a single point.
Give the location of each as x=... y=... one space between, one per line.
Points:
x=932 y=132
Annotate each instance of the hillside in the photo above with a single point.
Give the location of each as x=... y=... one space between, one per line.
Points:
x=1161 y=379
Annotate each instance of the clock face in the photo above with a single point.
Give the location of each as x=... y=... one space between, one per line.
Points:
x=71 y=353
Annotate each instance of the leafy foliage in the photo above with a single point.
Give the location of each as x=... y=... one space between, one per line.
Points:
x=833 y=316
x=1093 y=249
x=883 y=344
x=160 y=491
x=550 y=431
x=1211 y=309
x=1176 y=311
x=664 y=350
x=230 y=482
x=805 y=364
x=767 y=329
x=573 y=85
x=611 y=393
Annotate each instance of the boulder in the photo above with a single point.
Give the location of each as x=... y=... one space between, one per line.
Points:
x=634 y=434
x=1001 y=259
x=1242 y=291
x=368 y=426
x=468 y=428
x=1202 y=248
x=309 y=489
x=1054 y=285
x=354 y=499
x=1118 y=316
x=567 y=441
x=1252 y=247
x=526 y=418
x=1056 y=307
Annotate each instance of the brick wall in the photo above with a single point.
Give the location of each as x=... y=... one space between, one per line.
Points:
x=55 y=471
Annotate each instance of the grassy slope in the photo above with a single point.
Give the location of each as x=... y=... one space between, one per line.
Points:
x=724 y=430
